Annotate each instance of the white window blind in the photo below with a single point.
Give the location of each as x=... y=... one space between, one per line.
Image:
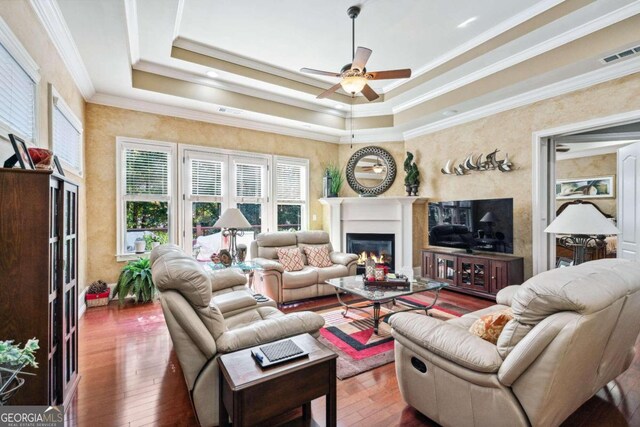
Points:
x=17 y=96
x=249 y=180
x=147 y=172
x=67 y=141
x=290 y=183
x=206 y=178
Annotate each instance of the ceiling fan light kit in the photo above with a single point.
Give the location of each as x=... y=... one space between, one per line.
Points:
x=354 y=76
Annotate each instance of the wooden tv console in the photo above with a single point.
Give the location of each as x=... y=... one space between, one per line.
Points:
x=481 y=274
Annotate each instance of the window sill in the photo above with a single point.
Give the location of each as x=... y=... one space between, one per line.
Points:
x=131 y=257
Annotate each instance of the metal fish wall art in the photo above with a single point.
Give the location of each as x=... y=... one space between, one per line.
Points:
x=472 y=163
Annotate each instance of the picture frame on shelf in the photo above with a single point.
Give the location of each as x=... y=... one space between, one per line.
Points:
x=564 y=262
x=22 y=152
x=57 y=167
x=600 y=187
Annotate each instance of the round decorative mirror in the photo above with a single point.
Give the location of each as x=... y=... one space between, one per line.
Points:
x=371 y=171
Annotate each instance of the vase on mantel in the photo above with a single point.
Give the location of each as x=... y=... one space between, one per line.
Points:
x=408 y=189
x=414 y=190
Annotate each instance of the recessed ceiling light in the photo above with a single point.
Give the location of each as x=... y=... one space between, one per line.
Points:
x=212 y=74
x=449 y=112
x=467 y=22
x=338 y=106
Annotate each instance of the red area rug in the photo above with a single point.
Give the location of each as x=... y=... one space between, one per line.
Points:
x=352 y=337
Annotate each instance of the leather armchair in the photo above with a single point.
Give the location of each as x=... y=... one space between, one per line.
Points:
x=284 y=286
x=210 y=313
x=574 y=330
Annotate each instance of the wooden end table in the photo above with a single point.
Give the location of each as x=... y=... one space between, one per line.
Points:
x=251 y=394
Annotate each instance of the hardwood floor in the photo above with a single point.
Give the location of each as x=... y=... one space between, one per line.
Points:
x=131 y=377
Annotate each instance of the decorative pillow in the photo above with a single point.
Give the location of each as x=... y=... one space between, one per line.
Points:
x=490 y=326
x=291 y=259
x=318 y=256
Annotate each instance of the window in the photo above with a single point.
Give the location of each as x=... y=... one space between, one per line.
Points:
x=18 y=83
x=250 y=180
x=66 y=134
x=291 y=184
x=146 y=172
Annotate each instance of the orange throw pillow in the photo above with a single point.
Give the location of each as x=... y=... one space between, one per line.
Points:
x=490 y=326
x=318 y=256
x=291 y=259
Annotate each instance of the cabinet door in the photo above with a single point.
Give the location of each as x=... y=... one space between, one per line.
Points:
x=499 y=276
x=444 y=268
x=427 y=265
x=69 y=288
x=473 y=273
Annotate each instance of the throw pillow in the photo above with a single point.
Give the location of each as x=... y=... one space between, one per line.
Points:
x=291 y=259
x=318 y=256
x=490 y=326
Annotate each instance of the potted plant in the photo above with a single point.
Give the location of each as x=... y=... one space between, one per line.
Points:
x=412 y=177
x=97 y=294
x=135 y=280
x=333 y=180
x=12 y=360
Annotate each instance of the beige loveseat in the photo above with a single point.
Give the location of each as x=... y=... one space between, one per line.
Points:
x=574 y=330
x=211 y=313
x=284 y=286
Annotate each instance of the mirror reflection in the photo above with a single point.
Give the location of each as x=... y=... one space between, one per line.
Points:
x=370 y=171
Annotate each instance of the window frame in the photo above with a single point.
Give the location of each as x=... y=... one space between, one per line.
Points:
x=11 y=43
x=296 y=161
x=122 y=144
x=57 y=101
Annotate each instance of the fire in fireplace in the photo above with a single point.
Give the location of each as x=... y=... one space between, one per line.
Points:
x=379 y=247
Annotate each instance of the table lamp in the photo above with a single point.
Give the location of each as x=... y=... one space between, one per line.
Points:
x=230 y=222
x=581 y=222
x=489 y=218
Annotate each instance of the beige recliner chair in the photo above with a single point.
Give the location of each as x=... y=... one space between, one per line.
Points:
x=199 y=330
x=574 y=330
x=284 y=286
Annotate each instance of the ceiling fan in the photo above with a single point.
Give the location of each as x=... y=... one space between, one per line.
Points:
x=354 y=76
x=376 y=167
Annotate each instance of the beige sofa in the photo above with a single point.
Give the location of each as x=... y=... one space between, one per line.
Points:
x=211 y=313
x=284 y=286
x=574 y=330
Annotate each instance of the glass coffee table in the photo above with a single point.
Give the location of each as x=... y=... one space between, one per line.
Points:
x=378 y=295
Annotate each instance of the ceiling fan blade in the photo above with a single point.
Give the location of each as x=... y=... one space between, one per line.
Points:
x=561 y=148
x=361 y=58
x=319 y=72
x=390 y=74
x=369 y=93
x=329 y=91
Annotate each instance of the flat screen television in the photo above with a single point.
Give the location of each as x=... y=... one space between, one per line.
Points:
x=472 y=225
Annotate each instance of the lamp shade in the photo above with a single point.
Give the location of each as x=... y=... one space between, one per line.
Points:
x=581 y=219
x=232 y=218
x=489 y=217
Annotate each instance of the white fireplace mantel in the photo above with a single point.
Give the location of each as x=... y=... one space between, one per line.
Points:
x=384 y=215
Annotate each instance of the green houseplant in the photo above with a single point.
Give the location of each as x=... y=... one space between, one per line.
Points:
x=335 y=178
x=135 y=280
x=12 y=360
x=412 y=177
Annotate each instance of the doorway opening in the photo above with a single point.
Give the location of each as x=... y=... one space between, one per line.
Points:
x=578 y=162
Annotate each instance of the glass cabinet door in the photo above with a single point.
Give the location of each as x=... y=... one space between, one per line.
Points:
x=445 y=268
x=473 y=274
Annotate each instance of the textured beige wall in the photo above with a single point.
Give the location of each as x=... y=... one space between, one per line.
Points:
x=26 y=26
x=104 y=124
x=396 y=149
x=511 y=132
x=591 y=166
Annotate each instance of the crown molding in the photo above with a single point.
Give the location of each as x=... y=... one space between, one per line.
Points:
x=163 y=70
x=538 y=8
x=605 y=74
x=207 y=116
x=51 y=18
x=546 y=46
x=131 y=22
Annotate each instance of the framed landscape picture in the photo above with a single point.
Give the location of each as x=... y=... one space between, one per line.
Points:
x=586 y=188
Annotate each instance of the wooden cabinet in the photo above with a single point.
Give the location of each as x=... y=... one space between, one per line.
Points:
x=38 y=279
x=481 y=274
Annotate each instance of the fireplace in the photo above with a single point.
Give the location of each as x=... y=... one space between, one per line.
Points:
x=380 y=247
